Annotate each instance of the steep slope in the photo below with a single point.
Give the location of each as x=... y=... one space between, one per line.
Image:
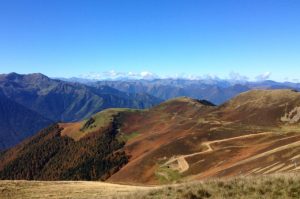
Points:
x=248 y=135
x=50 y=156
x=17 y=122
x=91 y=149
x=255 y=133
x=157 y=134
x=63 y=101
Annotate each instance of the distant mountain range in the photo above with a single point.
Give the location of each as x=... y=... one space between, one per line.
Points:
x=37 y=97
x=217 y=91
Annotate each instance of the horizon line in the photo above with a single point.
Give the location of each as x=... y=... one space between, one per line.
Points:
x=239 y=79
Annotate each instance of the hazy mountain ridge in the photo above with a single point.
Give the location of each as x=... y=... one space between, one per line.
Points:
x=66 y=101
x=54 y=100
x=215 y=90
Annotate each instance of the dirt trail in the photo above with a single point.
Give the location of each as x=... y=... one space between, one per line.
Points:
x=281 y=148
x=183 y=164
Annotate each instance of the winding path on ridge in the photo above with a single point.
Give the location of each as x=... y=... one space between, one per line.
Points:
x=183 y=165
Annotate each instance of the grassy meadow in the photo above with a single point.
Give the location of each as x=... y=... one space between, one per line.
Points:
x=279 y=186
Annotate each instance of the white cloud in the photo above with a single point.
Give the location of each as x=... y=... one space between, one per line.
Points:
x=115 y=75
x=147 y=75
x=237 y=77
x=234 y=77
x=184 y=76
x=264 y=76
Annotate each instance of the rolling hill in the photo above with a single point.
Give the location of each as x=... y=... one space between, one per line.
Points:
x=255 y=133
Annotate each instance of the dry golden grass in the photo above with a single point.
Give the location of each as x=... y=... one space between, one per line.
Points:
x=285 y=186
x=66 y=189
x=281 y=186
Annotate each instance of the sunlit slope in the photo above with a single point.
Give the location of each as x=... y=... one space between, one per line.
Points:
x=181 y=139
x=254 y=133
x=98 y=121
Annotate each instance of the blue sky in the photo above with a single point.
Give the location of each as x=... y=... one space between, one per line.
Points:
x=198 y=37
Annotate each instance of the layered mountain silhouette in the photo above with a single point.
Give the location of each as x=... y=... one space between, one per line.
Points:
x=255 y=133
x=216 y=91
x=54 y=100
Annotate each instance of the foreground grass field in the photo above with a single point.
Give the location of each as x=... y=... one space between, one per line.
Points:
x=66 y=189
x=268 y=186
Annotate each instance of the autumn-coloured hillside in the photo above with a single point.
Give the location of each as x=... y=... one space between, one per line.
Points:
x=181 y=139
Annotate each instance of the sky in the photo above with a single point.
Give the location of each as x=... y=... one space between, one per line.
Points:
x=167 y=38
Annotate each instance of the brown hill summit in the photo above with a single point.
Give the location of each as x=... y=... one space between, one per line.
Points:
x=263 y=107
x=255 y=133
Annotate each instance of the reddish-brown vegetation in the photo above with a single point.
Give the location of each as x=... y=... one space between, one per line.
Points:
x=50 y=156
x=181 y=139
